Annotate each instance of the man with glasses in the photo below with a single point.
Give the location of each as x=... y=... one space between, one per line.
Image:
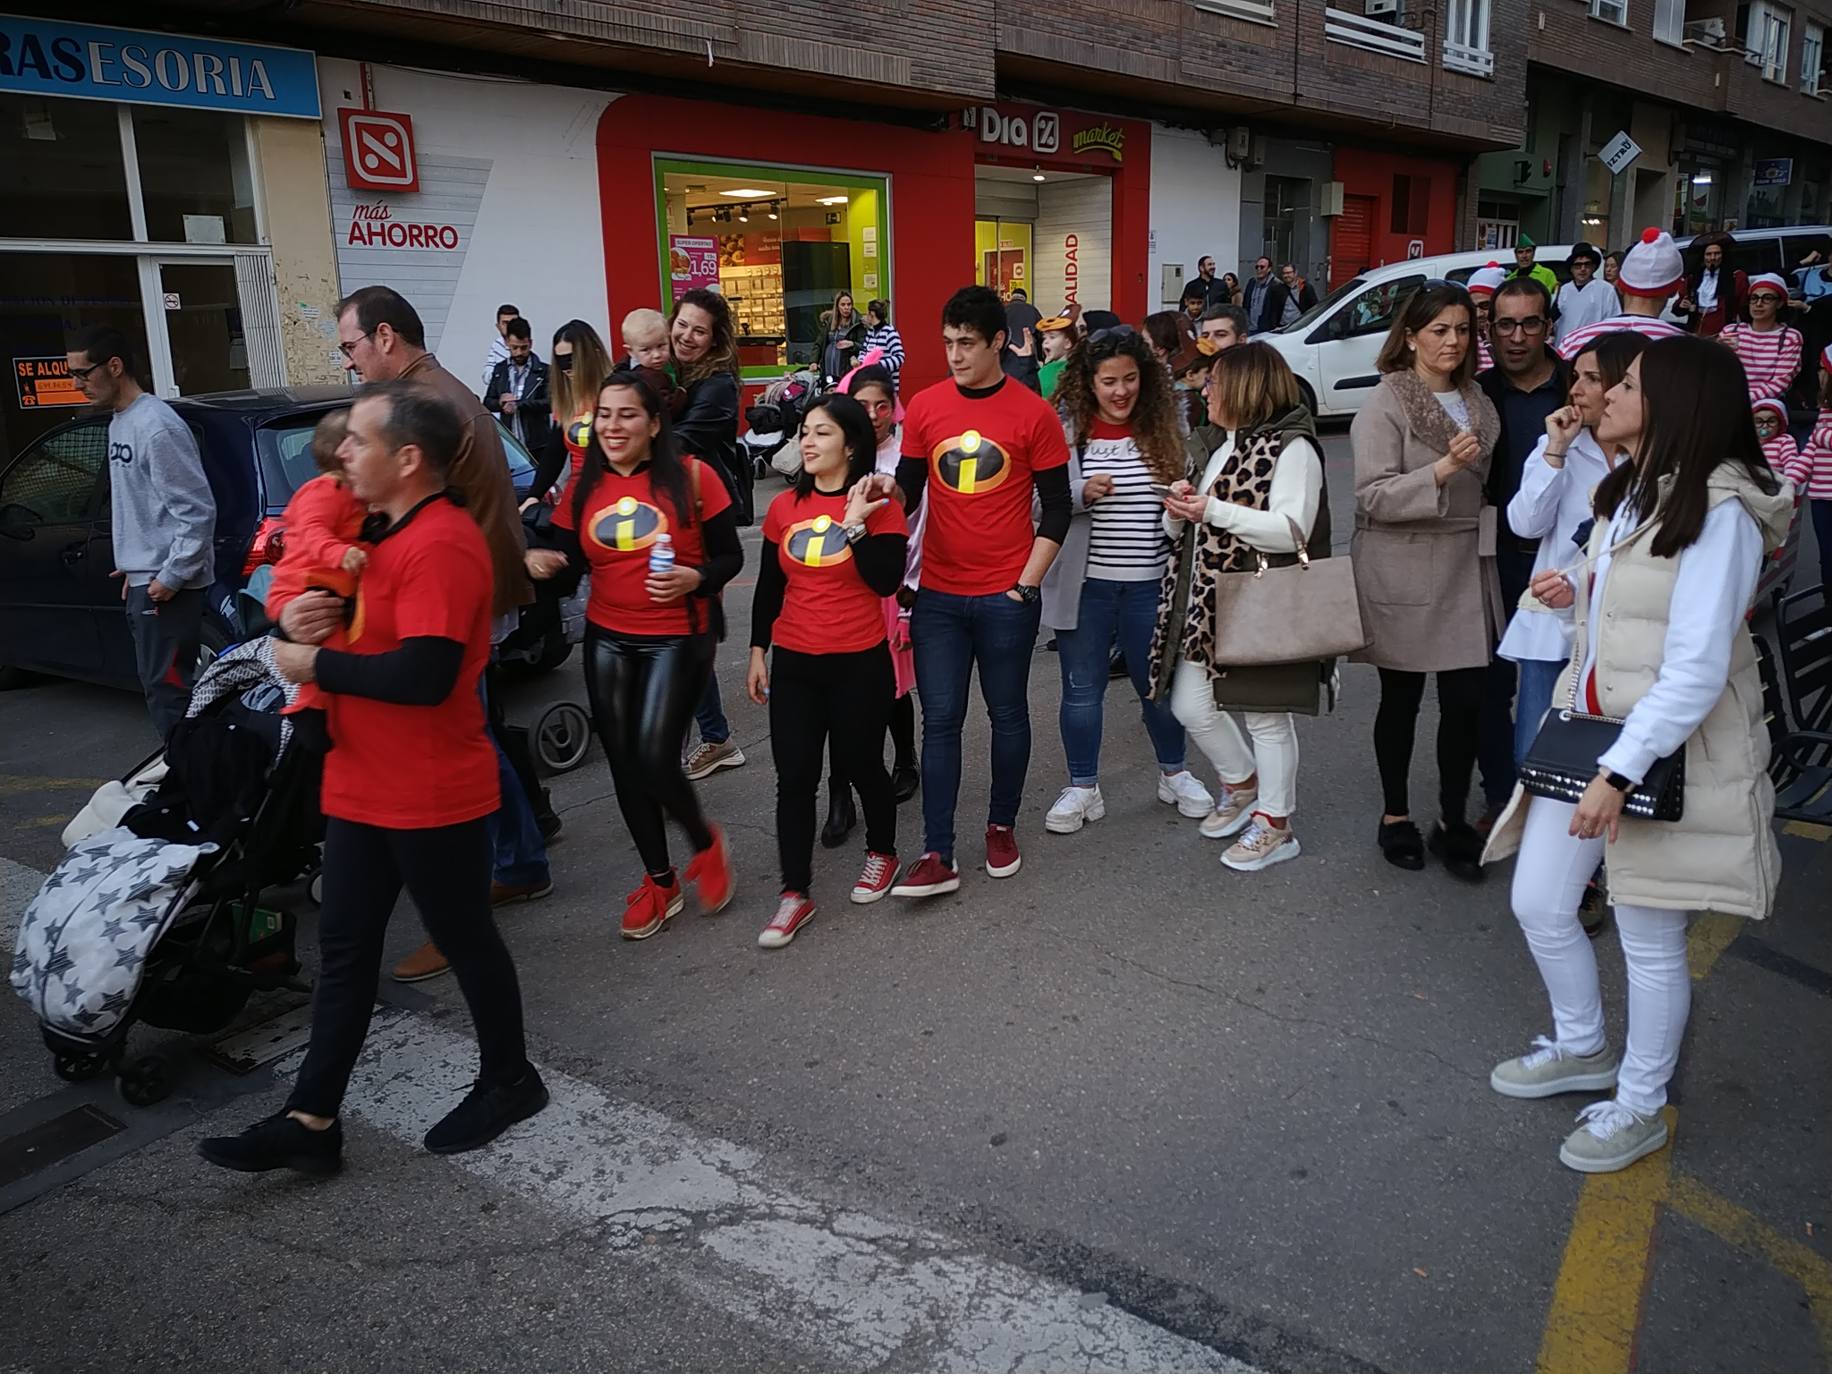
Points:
x=164 y=521
x=1526 y=384
x=1266 y=297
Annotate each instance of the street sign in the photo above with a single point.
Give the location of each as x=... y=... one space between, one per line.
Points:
x=1774 y=171
x=1619 y=152
x=1415 y=248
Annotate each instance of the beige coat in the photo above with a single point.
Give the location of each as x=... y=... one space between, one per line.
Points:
x=1720 y=855
x=1429 y=594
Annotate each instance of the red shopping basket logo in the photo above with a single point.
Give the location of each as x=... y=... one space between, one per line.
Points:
x=378 y=151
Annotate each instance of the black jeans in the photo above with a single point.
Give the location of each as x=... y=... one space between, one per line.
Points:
x=446 y=871
x=643 y=690
x=1459 y=727
x=813 y=696
x=903 y=743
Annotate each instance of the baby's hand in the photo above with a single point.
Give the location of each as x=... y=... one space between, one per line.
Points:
x=354 y=559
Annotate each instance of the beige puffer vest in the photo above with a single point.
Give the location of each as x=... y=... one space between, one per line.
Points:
x=1721 y=855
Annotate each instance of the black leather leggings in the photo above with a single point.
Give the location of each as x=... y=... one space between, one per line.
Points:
x=643 y=690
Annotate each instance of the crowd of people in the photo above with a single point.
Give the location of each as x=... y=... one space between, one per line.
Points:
x=1559 y=498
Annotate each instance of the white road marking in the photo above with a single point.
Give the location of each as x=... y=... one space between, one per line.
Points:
x=859 y=1289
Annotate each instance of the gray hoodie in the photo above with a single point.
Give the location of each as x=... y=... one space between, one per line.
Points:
x=164 y=514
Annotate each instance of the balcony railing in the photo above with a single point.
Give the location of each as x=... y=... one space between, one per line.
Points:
x=1374 y=35
x=1253 y=11
x=1460 y=57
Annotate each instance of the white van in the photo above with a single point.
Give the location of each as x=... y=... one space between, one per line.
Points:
x=1333 y=345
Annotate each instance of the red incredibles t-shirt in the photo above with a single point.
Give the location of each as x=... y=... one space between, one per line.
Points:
x=981 y=452
x=826 y=606
x=416 y=767
x=622 y=517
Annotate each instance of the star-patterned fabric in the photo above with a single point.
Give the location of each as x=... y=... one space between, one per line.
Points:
x=85 y=938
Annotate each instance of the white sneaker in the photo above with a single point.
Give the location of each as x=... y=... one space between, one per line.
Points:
x=1611 y=1137
x=1182 y=791
x=1231 y=813
x=1262 y=845
x=1074 y=808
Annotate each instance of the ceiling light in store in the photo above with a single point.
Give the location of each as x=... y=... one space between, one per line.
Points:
x=831 y=200
x=1038 y=176
x=746 y=193
x=1701 y=178
x=744 y=216
x=773 y=212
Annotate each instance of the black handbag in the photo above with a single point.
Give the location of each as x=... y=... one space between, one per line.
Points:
x=1562 y=762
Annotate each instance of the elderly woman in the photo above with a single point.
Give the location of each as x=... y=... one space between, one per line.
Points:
x=1424 y=563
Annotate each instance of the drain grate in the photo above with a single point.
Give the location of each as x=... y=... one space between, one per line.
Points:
x=49 y=1142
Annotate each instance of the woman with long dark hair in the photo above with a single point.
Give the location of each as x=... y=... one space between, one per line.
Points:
x=1716 y=292
x=1120 y=417
x=831 y=554
x=656 y=531
x=1682 y=527
x=578 y=360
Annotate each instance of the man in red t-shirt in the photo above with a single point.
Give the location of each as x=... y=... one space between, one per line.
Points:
x=976 y=445
x=409 y=784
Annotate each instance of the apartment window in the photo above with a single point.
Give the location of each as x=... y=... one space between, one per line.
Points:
x=1410 y=204
x=1670 y=21
x=1466 y=37
x=1765 y=36
x=1253 y=11
x=1812 y=57
x=1610 y=11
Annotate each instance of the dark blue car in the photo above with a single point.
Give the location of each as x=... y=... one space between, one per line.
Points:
x=60 y=608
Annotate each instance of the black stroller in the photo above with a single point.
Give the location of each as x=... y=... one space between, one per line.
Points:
x=241 y=777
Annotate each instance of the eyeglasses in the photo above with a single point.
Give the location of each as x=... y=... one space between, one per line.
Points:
x=82 y=373
x=1533 y=324
x=1754 y=296
x=349 y=349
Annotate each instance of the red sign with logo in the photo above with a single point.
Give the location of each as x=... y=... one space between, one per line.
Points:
x=378 y=150
x=1051 y=135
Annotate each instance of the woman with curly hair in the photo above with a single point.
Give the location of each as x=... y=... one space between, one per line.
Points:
x=1120 y=415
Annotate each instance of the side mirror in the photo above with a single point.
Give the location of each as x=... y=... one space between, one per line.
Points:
x=17 y=522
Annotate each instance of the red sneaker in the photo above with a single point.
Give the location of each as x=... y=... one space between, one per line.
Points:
x=875 y=880
x=792 y=913
x=651 y=907
x=711 y=874
x=929 y=876
x=1002 y=856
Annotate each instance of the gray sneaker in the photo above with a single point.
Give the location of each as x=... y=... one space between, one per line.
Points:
x=1233 y=809
x=709 y=758
x=1549 y=1071
x=1611 y=1138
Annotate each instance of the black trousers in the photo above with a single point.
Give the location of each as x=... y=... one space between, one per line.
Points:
x=1460 y=694
x=903 y=742
x=643 y=690
x=446 y=871
x=814 y=697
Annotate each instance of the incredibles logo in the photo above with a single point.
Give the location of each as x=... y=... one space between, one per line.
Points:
x=579 y=433
x=970 y=463
x=628 y=526
x=817 y=543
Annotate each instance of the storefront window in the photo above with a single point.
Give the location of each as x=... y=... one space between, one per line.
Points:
x=779 y=245
x=61 y=170
x=194 y=176
x=1698 y=198
x=1002 y=256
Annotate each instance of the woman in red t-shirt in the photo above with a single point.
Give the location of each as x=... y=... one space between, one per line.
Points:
x=831 y=554
x=651 y=628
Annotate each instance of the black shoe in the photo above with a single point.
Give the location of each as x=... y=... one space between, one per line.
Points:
x=277 y=1142
x=1401 y=844
x=905 y=782
x=841 y=818
x=546 y=819
x=1460 y=847
x=1116 y=665
x=486 y=1112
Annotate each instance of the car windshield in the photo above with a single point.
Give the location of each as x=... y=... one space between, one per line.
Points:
x=286 y=456
x=1311 y=315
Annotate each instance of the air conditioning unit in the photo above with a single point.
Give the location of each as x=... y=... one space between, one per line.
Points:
x=1332 y=198
x=1240 y=143
x=1379 y=7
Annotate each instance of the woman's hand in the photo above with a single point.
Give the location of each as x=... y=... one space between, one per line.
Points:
x=1599 y=811
x=1552 y=589
x=1097 y=486
x=1187 y=504
x=861 y=503
x=677 y=583
x=1562 y=426
x=544 y=563
x=843 y=345
x=531 y=501
x=1464 y=452
x=878 y=484
x=757 y=680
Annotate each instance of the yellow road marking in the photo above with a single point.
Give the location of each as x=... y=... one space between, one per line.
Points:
x=1707 y=937
x=1596 y=1303
x=13 y=784
x=1808 y=831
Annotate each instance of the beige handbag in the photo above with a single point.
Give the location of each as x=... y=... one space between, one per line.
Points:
x=1298 y=613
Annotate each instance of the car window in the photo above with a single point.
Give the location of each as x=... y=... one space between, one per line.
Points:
x=1305 y=320
x=60 y=479
x=1755 y=255
x=1372 y=312
x=286 y=455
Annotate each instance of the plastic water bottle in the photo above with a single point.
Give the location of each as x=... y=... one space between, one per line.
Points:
x=661 y=555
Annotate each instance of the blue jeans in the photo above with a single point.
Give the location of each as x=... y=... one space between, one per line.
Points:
x=709 y=715
x=1128 y=610
x=950 y=634
x=1538 y=677
x=521 y=853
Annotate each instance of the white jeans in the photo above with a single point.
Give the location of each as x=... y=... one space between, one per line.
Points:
x=1274 y=752
x=1549 y=878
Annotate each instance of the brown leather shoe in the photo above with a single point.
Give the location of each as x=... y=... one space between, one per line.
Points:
x=425 y=962
x=508 y=894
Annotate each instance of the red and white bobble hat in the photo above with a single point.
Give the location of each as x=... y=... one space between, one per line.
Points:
x=1772 y=280
x=1486 y=281
x=1652 y=267
x=1779 y=409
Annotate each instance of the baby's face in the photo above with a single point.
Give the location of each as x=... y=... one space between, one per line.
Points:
x=650 y=350
x=1768 y=425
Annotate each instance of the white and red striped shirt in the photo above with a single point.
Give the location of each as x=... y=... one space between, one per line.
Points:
x=1574 y=343
x=1811 y=471
x=1770 y=357
x=1484 y=359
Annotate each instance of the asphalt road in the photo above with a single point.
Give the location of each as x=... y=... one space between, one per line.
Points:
x=1128 y=1110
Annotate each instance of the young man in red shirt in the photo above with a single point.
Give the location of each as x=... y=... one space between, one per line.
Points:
x=409 y=784
x=975 y=446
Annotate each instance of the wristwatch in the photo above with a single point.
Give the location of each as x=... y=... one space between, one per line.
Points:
x=1028 y=595
x=1617 y=781
x=854 y=533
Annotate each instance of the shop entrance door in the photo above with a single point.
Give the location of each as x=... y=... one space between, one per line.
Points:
x=201 y=312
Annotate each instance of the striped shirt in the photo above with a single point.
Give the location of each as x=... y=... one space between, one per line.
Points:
x=886 y=337
x=1771 y=358
x=1573 y=343
x=1126 y=541
x=1811 y=472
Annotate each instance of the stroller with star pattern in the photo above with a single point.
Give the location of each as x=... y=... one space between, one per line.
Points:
x=159 y=919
